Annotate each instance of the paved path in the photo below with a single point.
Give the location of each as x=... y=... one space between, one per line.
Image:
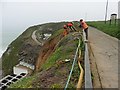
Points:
x=105 y=50
x=35 y=39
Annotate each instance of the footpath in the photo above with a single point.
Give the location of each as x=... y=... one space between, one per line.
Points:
x=105 y=53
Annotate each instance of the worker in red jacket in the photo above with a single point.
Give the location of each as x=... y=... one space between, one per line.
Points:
x=70 y=25
x=85 y=27
x=65 y=32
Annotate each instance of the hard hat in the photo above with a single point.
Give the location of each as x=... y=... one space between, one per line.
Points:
x=81 y=20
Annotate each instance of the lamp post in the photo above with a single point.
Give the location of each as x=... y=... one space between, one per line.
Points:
x=106 y=12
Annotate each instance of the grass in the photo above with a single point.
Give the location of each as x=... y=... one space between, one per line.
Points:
x=62 y=52
x=56 y=86
x=51 y=61
x=11 y=59
x=23 y=83
x=107 y=28
x=55 y=55
x=65 y=50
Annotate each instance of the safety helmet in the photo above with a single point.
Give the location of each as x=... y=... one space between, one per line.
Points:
x=81 y=20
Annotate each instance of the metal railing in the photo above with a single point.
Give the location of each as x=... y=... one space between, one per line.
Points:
x=88 y=81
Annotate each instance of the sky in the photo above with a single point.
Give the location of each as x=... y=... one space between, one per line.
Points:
x=17 y=15
x=29 y=13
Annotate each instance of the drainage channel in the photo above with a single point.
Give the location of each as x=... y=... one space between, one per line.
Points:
x=9 y=79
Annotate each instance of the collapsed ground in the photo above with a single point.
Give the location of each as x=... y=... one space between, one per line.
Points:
x=51 y=68
x=55 y=70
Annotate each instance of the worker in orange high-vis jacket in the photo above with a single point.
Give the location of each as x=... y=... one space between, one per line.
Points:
x=70 y=25
x=85 y=27
x=65 y=32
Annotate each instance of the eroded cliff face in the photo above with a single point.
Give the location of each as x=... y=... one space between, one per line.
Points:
x=25 y=48
x=47 y=49
x=55 y=69
x=50 y=52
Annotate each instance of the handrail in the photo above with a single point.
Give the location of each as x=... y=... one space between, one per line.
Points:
x=88 y=81
x=72 y=66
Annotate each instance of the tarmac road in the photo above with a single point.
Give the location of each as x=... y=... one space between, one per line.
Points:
x=105 y=50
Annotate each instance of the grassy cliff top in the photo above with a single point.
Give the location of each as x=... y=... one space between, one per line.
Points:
x=111 y=29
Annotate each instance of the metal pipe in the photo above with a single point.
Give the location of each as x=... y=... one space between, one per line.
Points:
x=79 y=85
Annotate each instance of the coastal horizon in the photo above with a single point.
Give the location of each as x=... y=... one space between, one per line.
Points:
x=1 y=53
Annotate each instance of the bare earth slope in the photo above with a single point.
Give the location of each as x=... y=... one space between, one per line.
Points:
x=105 y=50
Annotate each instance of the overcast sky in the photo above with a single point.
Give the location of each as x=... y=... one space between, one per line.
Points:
x=17 y=15
x=21 y=13
x=29 y=13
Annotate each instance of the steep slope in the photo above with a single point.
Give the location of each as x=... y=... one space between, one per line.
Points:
x=54 y=70
x=24 y=48
x=54 y=63
x=11 y=56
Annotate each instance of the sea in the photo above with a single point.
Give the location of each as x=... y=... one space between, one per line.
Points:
x=7 y=38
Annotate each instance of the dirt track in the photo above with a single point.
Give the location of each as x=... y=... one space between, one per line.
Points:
x=35 y=39
x=105 y=50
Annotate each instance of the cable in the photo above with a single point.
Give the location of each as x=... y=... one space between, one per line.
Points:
x=72 y=66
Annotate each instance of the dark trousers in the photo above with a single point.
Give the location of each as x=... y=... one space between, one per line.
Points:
x=86 y=32
x=72 y=28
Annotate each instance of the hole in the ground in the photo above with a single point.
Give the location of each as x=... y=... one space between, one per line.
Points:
x=23 y=74
x=4 y=81
x=13 y=75
x=9 y=78
x=19 y=77
x=4 y=87
x=1 y=84
x=8 y=83
x=14 y=80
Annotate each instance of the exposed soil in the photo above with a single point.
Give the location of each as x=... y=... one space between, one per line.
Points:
x=56 y=75
x=47 y=49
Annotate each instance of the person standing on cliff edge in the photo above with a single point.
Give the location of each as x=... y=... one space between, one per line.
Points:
x=85 y=27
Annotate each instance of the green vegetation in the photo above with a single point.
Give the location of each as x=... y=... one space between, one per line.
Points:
x=62 y=52
x=24 y=83
x=51 y=61
x=10 y=57
x=107 y=28
x=56 y=86
x=55 y=67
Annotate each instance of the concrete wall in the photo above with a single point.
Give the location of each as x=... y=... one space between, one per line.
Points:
x=18 y=70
